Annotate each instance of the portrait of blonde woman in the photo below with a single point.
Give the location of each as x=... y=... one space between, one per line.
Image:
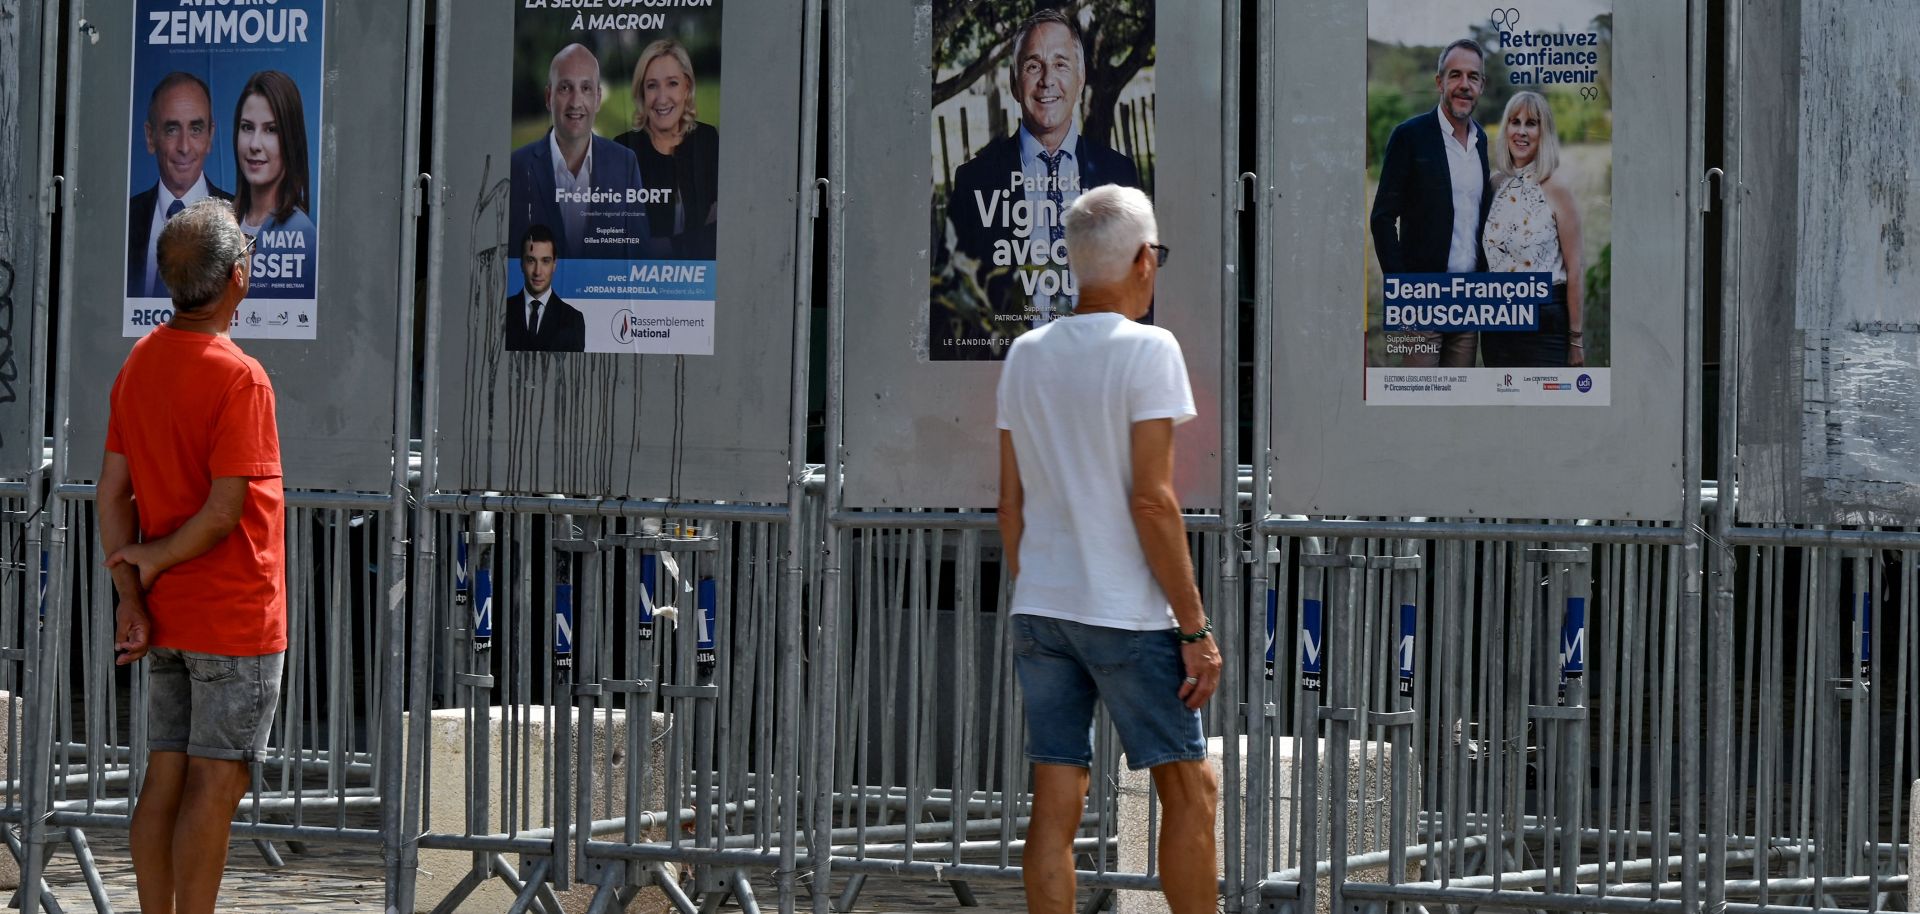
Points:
x=1533 y=226
x=677 y=152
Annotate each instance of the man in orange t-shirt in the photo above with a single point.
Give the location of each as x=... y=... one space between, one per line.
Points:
x=193 y=464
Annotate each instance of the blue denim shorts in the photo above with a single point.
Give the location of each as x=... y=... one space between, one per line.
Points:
x=1065 y=666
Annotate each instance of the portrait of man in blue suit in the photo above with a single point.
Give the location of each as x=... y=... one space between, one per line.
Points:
x=584 y=188
x=1431 y=207
x=1047 y=163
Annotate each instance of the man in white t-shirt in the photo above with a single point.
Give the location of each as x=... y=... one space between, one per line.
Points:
x=1104 y=601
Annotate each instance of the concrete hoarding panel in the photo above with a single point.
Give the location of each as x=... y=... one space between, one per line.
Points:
x=1332 y=452
x=920 y=432
x=334 y=393
x=607 y=424
x=22 y=185
x=1821 y=270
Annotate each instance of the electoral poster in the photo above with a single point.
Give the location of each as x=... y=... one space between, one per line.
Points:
x=1489 y=190
x=614 y=178
x=1033 y=103
x=226 y=105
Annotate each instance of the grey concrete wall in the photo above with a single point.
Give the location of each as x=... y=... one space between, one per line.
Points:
x=1368 y=827
x=448 y=761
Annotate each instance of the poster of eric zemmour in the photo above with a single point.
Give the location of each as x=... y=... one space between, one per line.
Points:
x=226 y=104
x=1489 y=151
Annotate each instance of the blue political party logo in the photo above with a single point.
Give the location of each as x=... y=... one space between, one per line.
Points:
x=1584 y=383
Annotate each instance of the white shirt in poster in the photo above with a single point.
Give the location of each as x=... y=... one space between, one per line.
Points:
x=1469 y=182
x=537 y=310
x=1070 y=393
x=1068 y=181
x=162 y=202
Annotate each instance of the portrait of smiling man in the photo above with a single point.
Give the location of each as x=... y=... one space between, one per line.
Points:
x=1047 y=160
x=179 y=132
x=1431 y=207
x=579 y=185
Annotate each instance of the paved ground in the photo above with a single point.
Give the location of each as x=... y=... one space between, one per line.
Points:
x=336 y=878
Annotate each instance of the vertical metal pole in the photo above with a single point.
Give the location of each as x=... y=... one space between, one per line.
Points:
x=1260 y=711
x=402 y=760
x=1720 y=647
x=1340 y=713
x=1688 y=742
x=392 y=761
x=833 y=541
x=787 y=758
x=44 y=670
x=1237 y=679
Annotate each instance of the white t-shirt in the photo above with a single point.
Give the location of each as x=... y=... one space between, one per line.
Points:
x=1070 y=393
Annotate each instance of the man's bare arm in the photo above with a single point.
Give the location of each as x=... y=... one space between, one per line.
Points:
x=119 y=518
x=217 y=517
x=1163 y=537
x=1013 y=501
x=1157 y=520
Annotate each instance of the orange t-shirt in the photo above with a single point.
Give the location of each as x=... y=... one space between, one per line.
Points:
x=189 y=408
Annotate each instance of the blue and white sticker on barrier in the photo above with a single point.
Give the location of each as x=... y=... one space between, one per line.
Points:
x=563 y=626
x=460 y=577
x=1312 y=644
x=1573 y=639
x=1273 y=626
x=482 y=608
x=649 y=575
x=1866 y=634
x=704 y=656
x=1409 y=622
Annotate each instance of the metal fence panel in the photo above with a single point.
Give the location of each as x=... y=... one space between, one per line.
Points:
x=1829 y=337
x=900 y=407
x=334 y=393
x=707 y=427
x=25 y=198
x=1332 y=452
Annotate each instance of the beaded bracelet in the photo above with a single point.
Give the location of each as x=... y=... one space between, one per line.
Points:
x=1204 y=631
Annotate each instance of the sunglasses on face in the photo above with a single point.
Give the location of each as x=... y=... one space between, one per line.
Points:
x=1160 y=252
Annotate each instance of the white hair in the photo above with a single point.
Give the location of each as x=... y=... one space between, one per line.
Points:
x=1105 y=229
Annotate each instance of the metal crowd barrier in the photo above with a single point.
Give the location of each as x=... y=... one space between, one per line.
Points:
x=605 y=698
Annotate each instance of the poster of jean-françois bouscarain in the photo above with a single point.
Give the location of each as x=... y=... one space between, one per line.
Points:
x=1033 y=103
x=227 y=105
x=1489 y=192
x=615 y=178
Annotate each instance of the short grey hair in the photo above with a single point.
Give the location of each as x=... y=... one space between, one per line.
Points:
x=1106 y=227
x=1440 y=65
x=1026 y=30
x=197 y=250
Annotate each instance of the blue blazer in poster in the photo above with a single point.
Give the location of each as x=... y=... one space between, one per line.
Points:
x=226 y=103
